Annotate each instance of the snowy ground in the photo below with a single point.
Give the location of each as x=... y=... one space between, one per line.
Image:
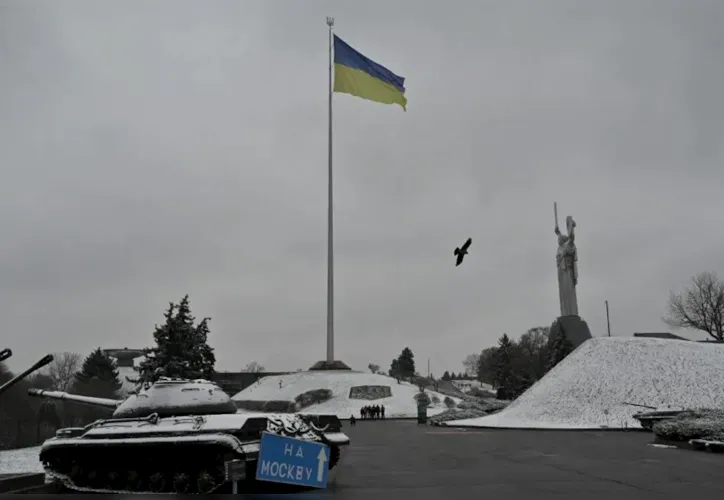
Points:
x=588 y=389
x=20 y=461
x=401 y=404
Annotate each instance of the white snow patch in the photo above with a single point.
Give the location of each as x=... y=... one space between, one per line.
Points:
x=588 y=389
x=20 y=461
x=168 y=393
x=402 y=404
x=126 y=386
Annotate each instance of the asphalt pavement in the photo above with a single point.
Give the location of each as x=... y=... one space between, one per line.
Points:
x=402 y=459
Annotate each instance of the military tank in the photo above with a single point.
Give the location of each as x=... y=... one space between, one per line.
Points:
x=6 y=353
x=176 y=436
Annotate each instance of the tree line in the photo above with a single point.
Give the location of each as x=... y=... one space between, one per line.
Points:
x=180 y=350
x=513 y=366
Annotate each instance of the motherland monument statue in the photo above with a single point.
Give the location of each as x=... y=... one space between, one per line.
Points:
x=572 y=325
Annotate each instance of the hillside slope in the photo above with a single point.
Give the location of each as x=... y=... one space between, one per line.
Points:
x=399 y=399
x=589 y=388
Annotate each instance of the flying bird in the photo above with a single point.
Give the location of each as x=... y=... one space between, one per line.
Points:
x=462 y=252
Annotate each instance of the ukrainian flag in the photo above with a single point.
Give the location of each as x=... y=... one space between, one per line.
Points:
x=356 y=75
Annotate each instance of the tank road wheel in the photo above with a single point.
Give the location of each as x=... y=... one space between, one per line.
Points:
x=157 y=482
x=205 y=482
x=181 y=482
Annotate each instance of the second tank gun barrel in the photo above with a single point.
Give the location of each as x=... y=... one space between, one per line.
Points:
x=76 y=398
x=47 y=359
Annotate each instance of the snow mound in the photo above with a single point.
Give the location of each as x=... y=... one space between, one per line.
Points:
x=20 y=461
x=398 y=399
x=589 y=389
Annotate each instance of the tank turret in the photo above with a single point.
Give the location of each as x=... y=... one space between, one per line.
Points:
x=6 y=353
x=176 y=436
x=167 y=398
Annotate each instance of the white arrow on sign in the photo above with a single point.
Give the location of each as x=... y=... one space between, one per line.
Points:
x=321 y=460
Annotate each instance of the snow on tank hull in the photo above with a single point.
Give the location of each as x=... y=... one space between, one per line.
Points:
x=187 y=454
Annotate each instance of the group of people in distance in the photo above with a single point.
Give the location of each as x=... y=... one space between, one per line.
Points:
x=369 y=413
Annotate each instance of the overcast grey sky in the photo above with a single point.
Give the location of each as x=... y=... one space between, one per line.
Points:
x=153 y=149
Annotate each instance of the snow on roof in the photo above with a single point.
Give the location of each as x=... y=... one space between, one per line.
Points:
x=401 y=404
x=589 y=388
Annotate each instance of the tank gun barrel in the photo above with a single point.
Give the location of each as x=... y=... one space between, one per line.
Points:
x=5 y=354
x=17 y=378
x=76 y=398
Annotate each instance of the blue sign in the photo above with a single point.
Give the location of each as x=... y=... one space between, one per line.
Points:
x=292 y=461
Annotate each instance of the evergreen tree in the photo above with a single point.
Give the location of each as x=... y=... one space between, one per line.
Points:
x=98 y=376
x=181 y=349
x=446 y=375
x=504 y=377
x=395 y=368
x=558 y=348
x=406 y=362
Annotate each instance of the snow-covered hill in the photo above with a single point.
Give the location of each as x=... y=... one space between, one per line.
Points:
x=589 y=388
x=400 y=403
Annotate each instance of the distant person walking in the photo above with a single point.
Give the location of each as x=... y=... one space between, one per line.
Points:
x=382 y=411
x=352 y=421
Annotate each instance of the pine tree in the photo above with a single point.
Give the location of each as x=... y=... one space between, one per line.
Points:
x=406 y=362
x=446 y=375
x=559 y=348
x=181 y=349
x=395 y=369
x=98 y=376
x=504 y=377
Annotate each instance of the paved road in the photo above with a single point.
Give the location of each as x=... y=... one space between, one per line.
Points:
x=405 y=460
x=399 y=459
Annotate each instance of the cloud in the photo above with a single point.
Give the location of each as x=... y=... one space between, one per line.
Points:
x=178 y=148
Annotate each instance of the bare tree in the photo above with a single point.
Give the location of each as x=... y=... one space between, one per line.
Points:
x=373 y=367
x=699 y=307
x=253 y=367
x=61 y=371
x=470 y=363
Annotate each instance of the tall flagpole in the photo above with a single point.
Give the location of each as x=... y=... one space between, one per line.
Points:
x=330 y=222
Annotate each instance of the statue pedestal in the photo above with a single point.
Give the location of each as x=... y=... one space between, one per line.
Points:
x=574 y=327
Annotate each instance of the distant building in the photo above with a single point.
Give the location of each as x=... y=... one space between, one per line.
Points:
x=124 y=357
x=659 y=335
x=126 y=361
x=667 y=335
x=467 y=385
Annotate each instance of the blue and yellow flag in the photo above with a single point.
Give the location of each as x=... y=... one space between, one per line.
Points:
x=356 y=75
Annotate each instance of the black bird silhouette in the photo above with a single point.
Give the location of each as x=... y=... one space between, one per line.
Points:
x=462 y=252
